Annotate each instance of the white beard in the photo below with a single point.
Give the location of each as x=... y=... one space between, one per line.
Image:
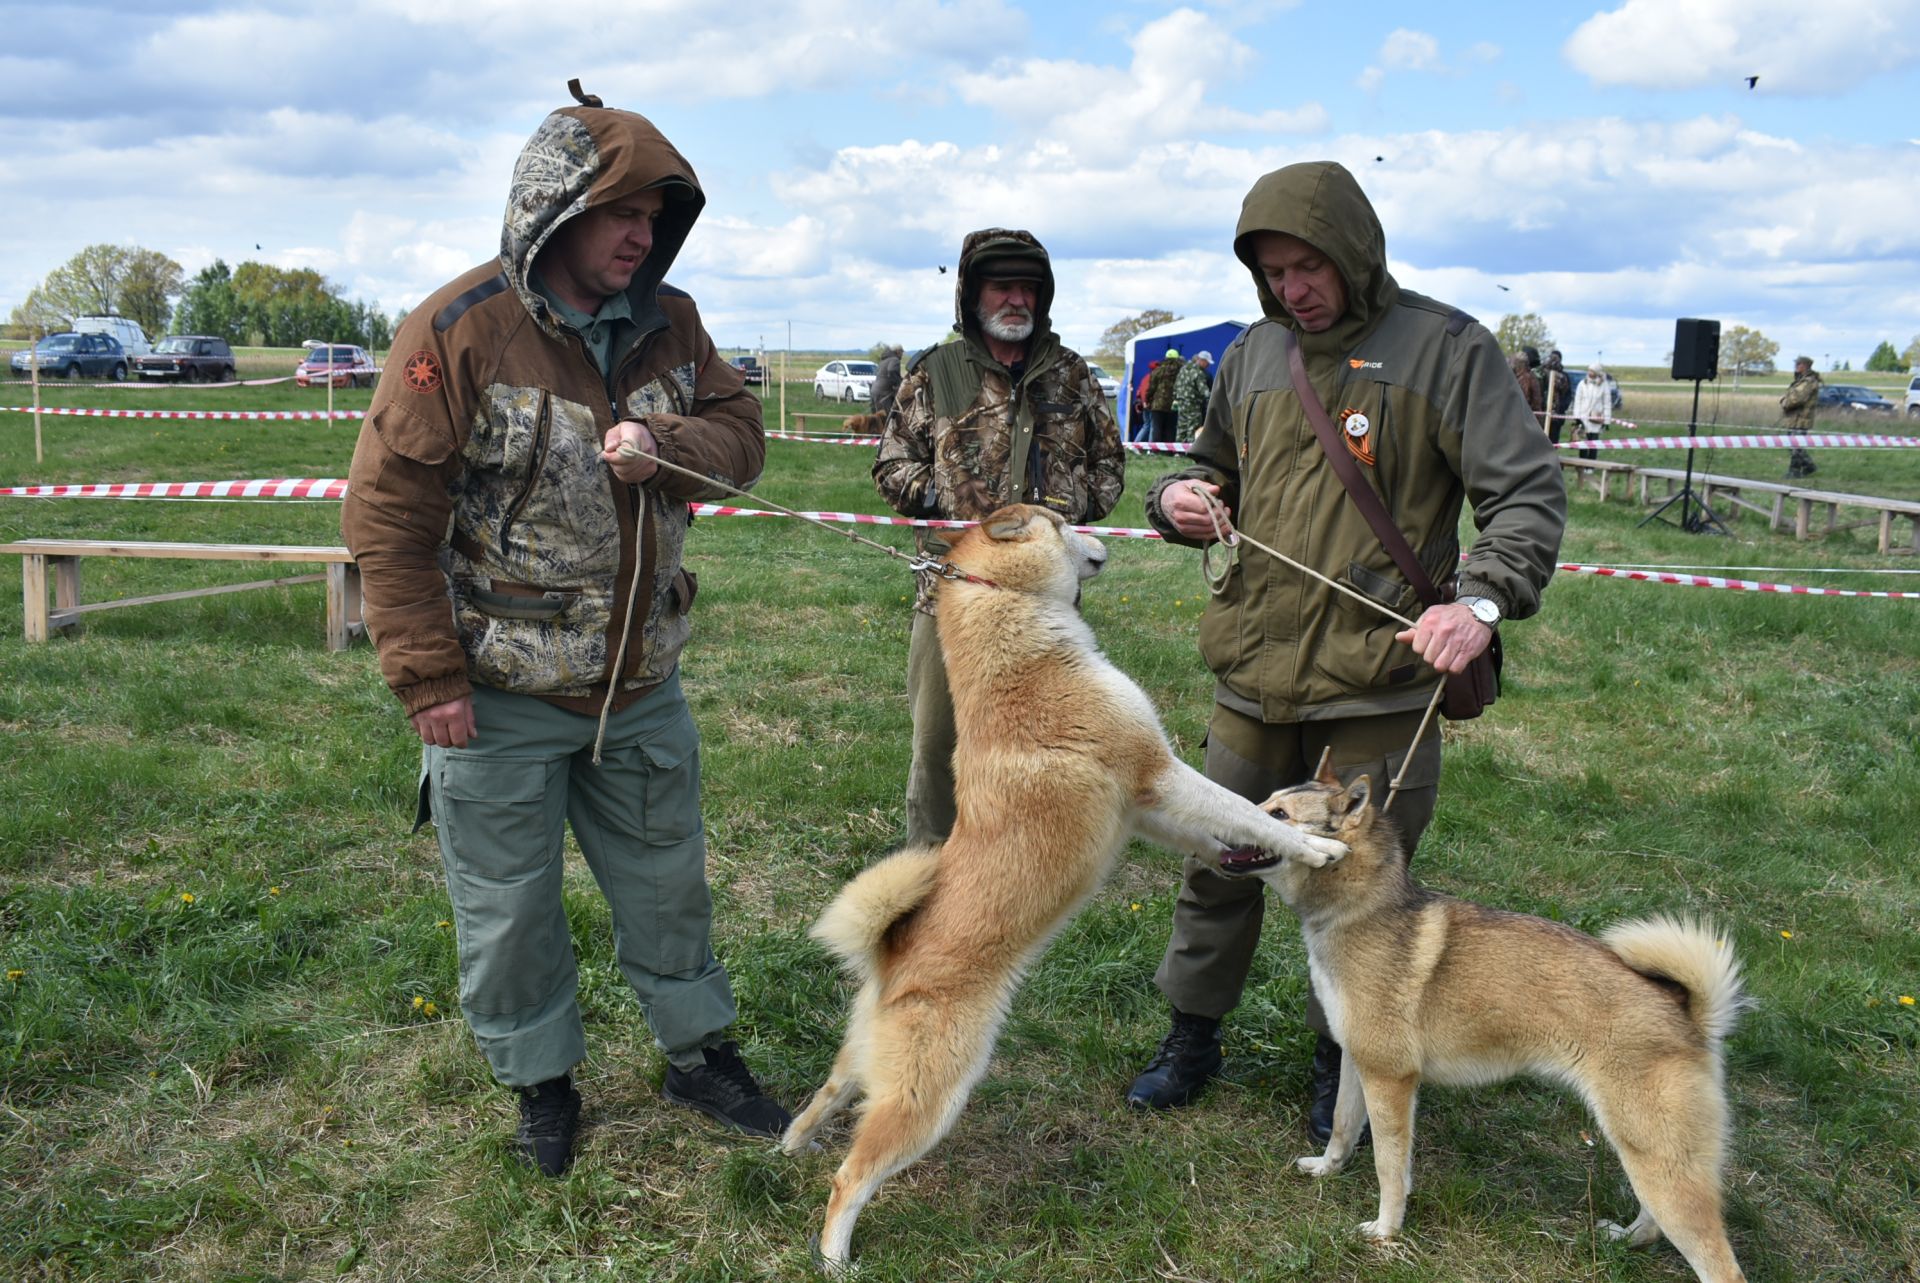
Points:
x=1010 y=325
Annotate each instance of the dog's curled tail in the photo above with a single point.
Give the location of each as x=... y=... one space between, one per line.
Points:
x=1692 y=954
x=859 y=916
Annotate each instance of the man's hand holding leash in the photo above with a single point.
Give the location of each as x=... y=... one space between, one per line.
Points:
x=637 y=465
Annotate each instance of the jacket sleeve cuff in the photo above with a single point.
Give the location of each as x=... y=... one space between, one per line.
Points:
x=421 y=696
x=1468 y=586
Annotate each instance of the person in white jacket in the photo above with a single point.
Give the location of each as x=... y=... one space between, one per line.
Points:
x=1592 y=408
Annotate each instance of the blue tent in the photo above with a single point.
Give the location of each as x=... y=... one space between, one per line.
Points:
x=1189 y=337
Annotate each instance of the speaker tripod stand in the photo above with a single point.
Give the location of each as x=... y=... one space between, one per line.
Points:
x=1694 y=516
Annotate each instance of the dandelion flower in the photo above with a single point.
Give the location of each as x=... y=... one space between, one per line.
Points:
x=186 y=897
x=443 y=924
x=431 y=1010
x=1906 y=1000
x=418 y=1002
x=15 y=974
x=273 y=890
x=1134 y=907
x=1786 y=935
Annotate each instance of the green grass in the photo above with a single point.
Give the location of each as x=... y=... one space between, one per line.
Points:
x=241 y=1086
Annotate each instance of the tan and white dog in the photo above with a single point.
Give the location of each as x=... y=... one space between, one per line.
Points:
x=1420 y=986
x=1060 y=760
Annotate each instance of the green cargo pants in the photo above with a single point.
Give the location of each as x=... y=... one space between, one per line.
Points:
x=930 y=805
x=1216 y=919
x=501 y=806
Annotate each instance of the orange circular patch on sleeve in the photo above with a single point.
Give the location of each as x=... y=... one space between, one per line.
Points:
x=423 y=371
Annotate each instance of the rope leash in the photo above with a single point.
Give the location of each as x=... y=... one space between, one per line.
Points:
x=1224 y=533
x=628 y=450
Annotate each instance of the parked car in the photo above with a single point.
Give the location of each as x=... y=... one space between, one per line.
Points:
x=74 y=356
x=342 y=364
x=845 y=380
x=122 y=329
x=1913 y=397
x=1108 y=384
x=190 y=358
x=750 y=369
x=1851 y=398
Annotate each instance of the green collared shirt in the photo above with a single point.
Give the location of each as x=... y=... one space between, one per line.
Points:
x=603 y=331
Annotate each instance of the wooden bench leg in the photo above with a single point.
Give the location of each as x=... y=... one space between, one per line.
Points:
x=1773 y=522
x=1886 y=530
x=1803 y=519
x=343 y=604
x=33 y=592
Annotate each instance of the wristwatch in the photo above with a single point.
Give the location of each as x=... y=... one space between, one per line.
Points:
x=1484 y=609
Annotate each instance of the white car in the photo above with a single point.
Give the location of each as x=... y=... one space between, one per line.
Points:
x=1913 y=397
x=1108 y=384
x=845 y=380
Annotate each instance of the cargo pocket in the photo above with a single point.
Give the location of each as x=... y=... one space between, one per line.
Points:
x=672 y=757
x=492 y=812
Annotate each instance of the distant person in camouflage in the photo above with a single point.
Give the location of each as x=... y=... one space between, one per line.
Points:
x=1797 y=408
x=1190 y=392
x=1001 y=413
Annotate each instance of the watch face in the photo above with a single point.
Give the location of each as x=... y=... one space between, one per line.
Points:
x=1484 y=611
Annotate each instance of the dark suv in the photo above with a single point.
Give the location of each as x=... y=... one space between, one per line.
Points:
x=750 y=369
x=74 y=356
x=190 y=358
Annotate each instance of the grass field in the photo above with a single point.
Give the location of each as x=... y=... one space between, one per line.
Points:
x=229 y=1047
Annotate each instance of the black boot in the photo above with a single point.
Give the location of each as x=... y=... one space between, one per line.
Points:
x=1188 y=1058
x=1326 y=1092
x=549 y=1119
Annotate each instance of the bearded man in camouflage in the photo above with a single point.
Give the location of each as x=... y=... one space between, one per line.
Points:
x=524 y=589
x=1000 y=412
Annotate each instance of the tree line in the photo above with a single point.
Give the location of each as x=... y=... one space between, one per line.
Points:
x=254 y=304
x=1742 y=350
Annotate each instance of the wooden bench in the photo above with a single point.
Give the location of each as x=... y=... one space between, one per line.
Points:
x=1711 y=485
x=63 y=555
x=1601 y=470
x=1884 y=510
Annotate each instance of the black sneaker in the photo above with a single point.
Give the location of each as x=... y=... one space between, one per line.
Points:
x=724 y=1089
x=1188 y=1058
x=549 y=1119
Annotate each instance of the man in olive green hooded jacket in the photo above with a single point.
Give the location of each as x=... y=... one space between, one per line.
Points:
x=1002 y=412
x=1425 y=404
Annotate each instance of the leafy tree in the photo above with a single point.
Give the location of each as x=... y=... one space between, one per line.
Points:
x=103 y=280
x=1912 y=355
x=1523 y=330
x=1113 y=343
x=1745 y=351
x=208 y=306
x=1884 y=359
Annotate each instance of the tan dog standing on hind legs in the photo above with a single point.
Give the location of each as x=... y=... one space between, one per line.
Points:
x=1060 y=760
x=1420 y=986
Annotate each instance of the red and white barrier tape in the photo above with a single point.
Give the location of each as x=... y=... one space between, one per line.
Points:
x=272 y=488
x=328 y=488
x=1775 y=441
x=1717 y=581
x=79 y=412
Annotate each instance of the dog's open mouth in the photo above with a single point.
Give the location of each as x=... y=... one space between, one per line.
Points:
x=1246 y=859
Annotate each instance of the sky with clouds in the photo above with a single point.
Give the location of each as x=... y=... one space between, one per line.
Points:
x=1607 y=167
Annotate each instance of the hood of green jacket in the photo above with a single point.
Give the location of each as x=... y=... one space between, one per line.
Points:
x=1319 y=202
x=582 y=157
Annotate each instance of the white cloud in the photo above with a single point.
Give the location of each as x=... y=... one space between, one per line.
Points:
x=1405 y=50
x=1102 y=112
x=1793 y=47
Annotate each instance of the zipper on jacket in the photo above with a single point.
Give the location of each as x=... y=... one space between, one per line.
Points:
x=542 y=431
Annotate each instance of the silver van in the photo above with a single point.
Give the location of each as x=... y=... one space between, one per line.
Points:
x=127 y=330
